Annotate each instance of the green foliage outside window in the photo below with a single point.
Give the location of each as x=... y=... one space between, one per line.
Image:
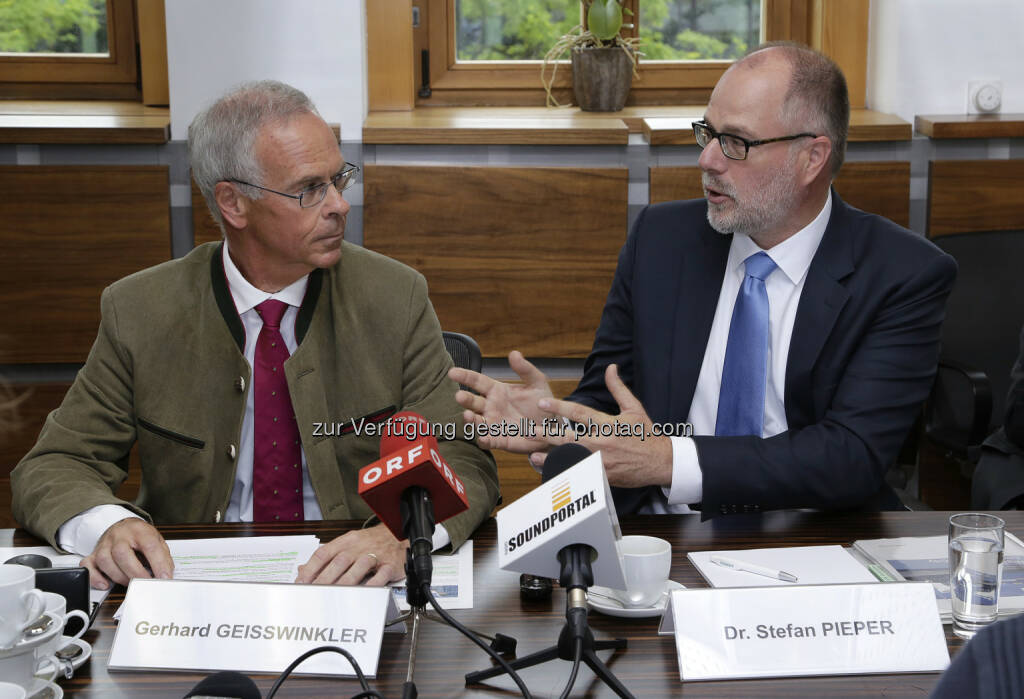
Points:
x=670 y=30
x=53 y=26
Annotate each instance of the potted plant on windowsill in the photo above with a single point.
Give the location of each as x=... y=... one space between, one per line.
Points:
x=603 y=61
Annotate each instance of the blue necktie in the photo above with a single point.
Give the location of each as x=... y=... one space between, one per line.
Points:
x=745 y=372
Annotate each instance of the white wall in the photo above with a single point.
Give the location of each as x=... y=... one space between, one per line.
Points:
x=318 y=46
x=922 y=53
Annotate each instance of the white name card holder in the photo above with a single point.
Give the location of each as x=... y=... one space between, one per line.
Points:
x=250 y=627
x=735 y=633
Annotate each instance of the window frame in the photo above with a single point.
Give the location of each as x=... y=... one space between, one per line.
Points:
x=115 y=76
x=518 y=83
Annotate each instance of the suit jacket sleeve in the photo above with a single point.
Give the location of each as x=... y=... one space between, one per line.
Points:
x=869 y=402
x=81 y=456
x=428 y=390
x=1014 y=422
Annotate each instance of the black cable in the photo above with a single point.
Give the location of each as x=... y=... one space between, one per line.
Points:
x=473 y=637
x=577 y=656
x=367 y=692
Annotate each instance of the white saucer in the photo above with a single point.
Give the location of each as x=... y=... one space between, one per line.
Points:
x=39 y=687
x=611 y=609
x=65 y=641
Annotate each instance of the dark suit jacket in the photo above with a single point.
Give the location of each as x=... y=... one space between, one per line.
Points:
x=167 y=371
x=999 y=477
x=862 y=357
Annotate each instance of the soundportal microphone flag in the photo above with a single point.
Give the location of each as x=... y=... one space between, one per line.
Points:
x=574 y=507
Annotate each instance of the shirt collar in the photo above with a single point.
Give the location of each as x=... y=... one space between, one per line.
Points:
x=247 y=296
x=793 y=255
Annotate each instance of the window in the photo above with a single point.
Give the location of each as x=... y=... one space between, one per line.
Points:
x=488 y=52
x=68 y=48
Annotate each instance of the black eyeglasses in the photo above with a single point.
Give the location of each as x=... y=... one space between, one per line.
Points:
x=735 y=147
x=311 y=196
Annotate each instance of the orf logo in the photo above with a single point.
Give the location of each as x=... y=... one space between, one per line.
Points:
x=560 y=496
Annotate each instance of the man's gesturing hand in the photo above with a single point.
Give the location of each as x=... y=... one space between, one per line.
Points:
x=132 y=548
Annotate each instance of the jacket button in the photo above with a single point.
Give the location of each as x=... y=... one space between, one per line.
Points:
x=240 y=384
x=232 y=452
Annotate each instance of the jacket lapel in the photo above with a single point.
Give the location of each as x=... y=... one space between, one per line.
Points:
x=222 y=294
x=821 y=301
x=700 y=283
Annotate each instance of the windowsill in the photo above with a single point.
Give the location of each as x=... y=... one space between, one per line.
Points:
x=970 y=125
x=660 y=125
x=81 y=121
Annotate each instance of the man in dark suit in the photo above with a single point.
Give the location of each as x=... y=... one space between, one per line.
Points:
x=795 y=335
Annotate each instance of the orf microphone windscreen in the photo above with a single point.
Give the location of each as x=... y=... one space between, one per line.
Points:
x=562 y=458
x=401 y=430
x=410 y=463
x=231 y=685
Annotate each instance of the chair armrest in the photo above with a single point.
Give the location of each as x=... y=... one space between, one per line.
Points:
x=959 y=410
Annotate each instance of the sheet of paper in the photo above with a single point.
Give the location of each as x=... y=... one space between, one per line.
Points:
x=812 y=565
x=244 y=559
x=452 y=582
x=59 y=560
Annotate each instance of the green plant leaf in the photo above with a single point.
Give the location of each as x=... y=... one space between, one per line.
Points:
x=604 y=19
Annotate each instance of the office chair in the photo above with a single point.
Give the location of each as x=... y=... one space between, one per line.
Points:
x=463 y=350
x=984 y=316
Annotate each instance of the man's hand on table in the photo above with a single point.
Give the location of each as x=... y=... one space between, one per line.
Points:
x=346 y=560
x=116 y=557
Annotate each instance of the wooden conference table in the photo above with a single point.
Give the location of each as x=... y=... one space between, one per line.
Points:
x=648 y=667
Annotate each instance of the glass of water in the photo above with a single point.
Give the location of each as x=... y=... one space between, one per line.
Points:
x=975 y=570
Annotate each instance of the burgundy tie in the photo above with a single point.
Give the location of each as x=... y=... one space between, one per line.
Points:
x=277 y=455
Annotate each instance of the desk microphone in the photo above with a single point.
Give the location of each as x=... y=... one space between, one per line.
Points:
x=411 y=488
x=226 y=685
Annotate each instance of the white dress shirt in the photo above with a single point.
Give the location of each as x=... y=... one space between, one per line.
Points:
x=784 y=286
x=81 y=533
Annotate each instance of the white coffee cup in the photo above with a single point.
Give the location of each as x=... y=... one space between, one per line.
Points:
x=57 y=606
x=20 y=604
x=646 y=561
x=11 y=691
x=21 y=669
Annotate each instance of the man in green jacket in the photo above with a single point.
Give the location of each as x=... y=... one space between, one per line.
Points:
x=171 y=368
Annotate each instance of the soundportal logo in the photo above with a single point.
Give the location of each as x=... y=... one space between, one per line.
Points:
x=563 y=508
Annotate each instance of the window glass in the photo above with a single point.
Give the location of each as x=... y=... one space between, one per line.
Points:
x=53 y=26
x=694 y=30
x=511 y=30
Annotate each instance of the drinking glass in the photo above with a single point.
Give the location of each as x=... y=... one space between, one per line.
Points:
x=975 y=570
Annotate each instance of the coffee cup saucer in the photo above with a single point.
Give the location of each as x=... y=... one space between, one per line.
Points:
x=42 y=689
x=78 y=661
x=606 y=606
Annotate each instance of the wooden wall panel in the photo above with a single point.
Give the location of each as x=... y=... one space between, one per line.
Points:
x=204 y=228
x=389 y=55
x=69 y=231
x=880 y=187
x=975 y=195
x=519 y=258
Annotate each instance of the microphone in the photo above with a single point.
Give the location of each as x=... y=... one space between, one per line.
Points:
x=411 y=488
x=226 y=684
x=571 y=507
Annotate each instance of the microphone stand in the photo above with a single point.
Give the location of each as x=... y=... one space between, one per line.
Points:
x=418 y=527
x=576 y=576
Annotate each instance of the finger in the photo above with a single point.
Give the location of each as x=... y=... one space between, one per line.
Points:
x=383 y=575
x=97 y=580
x=316 y=563
x=471 y=401
x=126 y=557
x=620 y=392
x=157 y=555
x=531 y=375
x=475 y=380
x=355 y=573
x=575 y=412
x=537 y=460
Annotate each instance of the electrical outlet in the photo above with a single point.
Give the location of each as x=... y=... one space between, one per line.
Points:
x=984 y=96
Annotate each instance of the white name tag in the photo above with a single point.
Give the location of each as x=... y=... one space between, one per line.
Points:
x=249 y=627
x=730 y=633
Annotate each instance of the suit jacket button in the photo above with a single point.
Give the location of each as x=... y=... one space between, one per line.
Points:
x=232 y=452
x=240 y=384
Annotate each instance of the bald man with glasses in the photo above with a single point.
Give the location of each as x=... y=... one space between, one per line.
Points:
x=795 y=335
x=225 y=366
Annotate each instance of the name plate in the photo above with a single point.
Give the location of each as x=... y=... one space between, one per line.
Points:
x=733 y=633
x=249 y=627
